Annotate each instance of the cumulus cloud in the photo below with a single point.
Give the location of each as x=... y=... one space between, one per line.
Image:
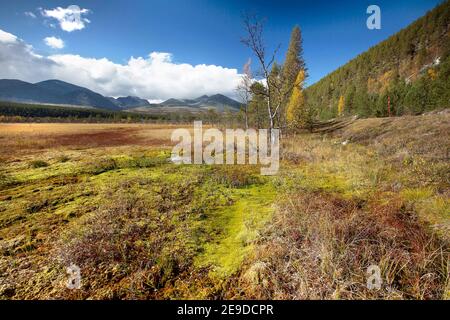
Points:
x=70 y=18
x=54 y=43
x=154 y=77
x=6 y=37
x=19 y=61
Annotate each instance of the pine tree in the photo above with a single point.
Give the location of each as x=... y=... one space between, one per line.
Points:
x=294 y=58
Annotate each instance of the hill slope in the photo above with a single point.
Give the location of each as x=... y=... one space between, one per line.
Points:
x=53 y=91
x=16 y=90
x=412 y=68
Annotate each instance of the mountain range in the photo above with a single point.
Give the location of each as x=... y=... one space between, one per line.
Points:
x=67 y=94
x=217 y=101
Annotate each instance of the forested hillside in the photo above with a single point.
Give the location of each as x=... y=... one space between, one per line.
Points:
x=21 y=112
x=408 y=73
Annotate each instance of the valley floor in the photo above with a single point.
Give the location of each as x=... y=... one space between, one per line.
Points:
x=106 y=198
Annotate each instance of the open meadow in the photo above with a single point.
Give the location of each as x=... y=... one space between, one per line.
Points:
x=106 y=198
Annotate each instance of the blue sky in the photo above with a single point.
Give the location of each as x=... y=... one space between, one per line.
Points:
x=208 y=32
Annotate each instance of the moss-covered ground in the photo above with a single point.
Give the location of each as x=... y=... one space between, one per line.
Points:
x=141 y=227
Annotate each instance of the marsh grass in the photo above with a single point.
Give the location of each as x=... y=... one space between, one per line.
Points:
x=142 y=228
x=119 y=238
x=320 y=246
x=348 y=206
x=147 y=230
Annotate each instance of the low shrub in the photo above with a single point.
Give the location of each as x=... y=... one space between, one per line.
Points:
x=38 y=164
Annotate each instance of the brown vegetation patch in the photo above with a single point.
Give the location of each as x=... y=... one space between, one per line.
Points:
x=320 y=246
x=19 y=139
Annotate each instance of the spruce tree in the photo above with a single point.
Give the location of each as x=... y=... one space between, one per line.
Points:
x=294 y=59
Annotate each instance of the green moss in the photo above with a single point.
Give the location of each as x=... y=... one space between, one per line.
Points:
x=234 y=228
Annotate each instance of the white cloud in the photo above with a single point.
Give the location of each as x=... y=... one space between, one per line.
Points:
x=18 y=60
x=53 y=42
x=156 y=101
x=6 y=37
x=30 y=14
x=155 y=77
x=70 y=18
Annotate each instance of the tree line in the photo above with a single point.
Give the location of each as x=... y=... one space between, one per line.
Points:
x=28 y=112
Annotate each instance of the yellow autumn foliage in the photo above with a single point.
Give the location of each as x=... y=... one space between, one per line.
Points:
x=432 y=74
x=341 y=105
x=296 y=105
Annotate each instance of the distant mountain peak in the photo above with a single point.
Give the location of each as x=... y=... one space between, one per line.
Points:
x=131 y=102
x=172 y=102
x=218 y=101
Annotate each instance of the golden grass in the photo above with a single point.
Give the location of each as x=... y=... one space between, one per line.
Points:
x=22 y=139
x=75 y=128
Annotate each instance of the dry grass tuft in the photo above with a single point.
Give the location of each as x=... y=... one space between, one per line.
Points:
x=236 y=176
x=320 y=246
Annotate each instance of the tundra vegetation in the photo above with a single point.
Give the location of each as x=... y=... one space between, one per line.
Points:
x=106 y=198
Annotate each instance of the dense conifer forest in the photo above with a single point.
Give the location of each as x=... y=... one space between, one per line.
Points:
x=406 y=74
